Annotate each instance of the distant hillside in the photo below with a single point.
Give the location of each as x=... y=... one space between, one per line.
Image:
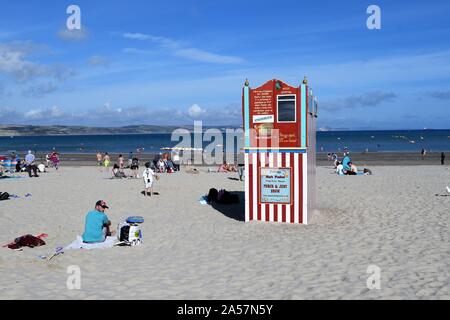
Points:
x=25 y=130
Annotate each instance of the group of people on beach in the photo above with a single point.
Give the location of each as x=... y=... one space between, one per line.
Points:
x=166 y=163
x=30 y=164
x=346 y=166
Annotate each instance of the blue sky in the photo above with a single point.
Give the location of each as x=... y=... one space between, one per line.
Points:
x=172 y=62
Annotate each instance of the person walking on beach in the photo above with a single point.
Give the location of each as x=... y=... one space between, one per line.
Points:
x=47 y=159
x=442 y=158
x=423 y=152
x=99 y=160
x=130 y=158
x=55 y=160
x=106 y=161
x=134 y=167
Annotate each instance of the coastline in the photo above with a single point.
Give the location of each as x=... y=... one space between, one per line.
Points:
x=360 y=159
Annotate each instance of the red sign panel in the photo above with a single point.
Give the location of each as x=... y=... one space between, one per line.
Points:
x=275 y=116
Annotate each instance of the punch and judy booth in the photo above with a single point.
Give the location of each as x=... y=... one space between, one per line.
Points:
x=280 y=152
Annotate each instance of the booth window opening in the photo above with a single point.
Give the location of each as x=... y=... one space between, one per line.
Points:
x=287 y=108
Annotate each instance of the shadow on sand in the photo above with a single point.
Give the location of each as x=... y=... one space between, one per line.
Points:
x=234 y=211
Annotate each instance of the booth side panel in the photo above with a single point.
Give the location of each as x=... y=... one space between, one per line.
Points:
x=312 y=187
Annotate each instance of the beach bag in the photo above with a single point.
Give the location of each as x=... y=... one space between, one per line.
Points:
x=4 y=196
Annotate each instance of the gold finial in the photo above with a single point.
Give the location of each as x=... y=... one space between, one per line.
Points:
x=247 y=83
x=305 y=80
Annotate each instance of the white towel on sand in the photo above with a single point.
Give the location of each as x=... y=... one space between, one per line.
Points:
x=79 y=244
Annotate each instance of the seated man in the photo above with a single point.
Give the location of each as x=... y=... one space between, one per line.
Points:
x=97 y=226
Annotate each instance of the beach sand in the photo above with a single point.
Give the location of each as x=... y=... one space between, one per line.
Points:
x=392 y=219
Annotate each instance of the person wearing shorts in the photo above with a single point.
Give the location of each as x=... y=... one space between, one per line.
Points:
x=99 y=159
x=148 y=176
x=134 y=167
x=106 y=161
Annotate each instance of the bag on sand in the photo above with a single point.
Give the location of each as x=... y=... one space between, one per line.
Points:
x=4 y=196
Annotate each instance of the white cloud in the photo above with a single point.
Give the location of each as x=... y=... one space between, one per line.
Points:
x=181 y=49
x=195 y=111
x=136 y=36
x=49 y=113
x=14 y=63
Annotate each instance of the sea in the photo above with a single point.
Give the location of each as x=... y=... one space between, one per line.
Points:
x=327 y=141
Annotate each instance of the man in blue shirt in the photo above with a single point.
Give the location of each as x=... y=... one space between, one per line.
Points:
x=31 y=166
x=97 y=226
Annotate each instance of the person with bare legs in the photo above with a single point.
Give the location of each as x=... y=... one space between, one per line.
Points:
x=148 y=175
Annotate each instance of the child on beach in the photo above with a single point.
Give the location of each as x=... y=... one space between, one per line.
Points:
x=148 y=175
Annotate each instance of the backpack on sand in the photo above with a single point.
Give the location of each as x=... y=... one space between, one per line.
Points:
x=4 y=196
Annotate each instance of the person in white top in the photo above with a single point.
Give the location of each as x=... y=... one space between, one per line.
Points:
x=340 y=169
x=148 y=175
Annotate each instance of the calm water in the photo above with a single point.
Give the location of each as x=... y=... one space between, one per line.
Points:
x=356 y=141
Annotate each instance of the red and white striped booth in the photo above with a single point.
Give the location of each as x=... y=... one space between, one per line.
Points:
x=280 y=152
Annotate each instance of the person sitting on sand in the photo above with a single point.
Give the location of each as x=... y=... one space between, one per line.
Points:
x=97 y=226
x=340 y=168
x=346 y=160
x=117 y=173
x=148 y=175
x=161 y=165
x=353 y=170
x=232 y=168
x=41 y=167
x=176 y=161
x=223 y=167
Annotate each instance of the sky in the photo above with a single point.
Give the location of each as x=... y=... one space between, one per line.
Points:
x=172 y=62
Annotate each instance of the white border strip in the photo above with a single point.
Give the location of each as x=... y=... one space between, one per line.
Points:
x=287 y=206
x=255 y=185
x=247 y=189
x=279 y=206
x=305 y=188
x=297 y=189
x=263 y=206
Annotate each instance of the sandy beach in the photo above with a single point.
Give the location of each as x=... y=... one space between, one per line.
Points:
x=396 y=219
